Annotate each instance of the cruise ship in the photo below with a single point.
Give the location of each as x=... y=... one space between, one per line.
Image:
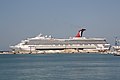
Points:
x=78 y=42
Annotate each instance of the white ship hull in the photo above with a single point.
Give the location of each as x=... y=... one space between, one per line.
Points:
x=48 y=43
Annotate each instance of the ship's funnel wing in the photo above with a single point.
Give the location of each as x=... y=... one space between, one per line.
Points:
x=80 y=33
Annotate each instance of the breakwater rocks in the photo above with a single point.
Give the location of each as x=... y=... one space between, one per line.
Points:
x=56 y=51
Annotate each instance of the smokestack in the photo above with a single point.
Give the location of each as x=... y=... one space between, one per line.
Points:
x=80 y=33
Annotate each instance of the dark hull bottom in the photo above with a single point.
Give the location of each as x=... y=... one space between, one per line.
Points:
x=60 y=49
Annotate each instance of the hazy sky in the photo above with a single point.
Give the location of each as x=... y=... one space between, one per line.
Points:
x=20 y=19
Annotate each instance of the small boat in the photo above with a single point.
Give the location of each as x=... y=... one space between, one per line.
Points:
x=116 y=54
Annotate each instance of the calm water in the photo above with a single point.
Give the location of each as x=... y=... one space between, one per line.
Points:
x=59 y=67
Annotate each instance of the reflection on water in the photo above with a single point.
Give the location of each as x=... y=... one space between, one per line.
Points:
x=59 y=67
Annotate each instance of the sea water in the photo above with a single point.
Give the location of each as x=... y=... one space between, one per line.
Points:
x=59 y=67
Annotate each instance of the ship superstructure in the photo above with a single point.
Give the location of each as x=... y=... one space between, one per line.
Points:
x=78 y=42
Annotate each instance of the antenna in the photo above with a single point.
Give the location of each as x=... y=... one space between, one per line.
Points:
x=116 y=41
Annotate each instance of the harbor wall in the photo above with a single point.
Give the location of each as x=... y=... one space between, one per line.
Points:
x=55 y=51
